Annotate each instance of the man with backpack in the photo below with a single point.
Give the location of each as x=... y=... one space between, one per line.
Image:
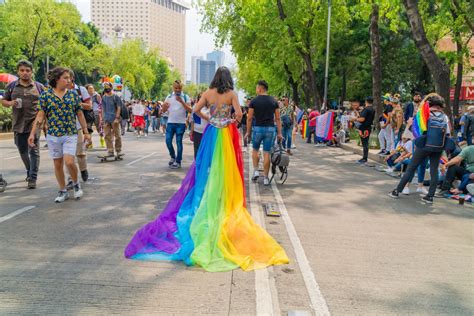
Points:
x=111 y=114
x=22 y=95
x=86 y=106
x=430 y=145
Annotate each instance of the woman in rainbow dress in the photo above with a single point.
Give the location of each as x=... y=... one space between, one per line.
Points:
x=206 y=222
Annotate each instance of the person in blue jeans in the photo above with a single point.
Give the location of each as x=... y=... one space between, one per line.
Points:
x=177 y=105
x=267 y=118
x=287 y=115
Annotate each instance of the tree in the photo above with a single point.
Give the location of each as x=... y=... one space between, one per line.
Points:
x=438 y=68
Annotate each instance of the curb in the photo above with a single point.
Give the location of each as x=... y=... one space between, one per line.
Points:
x=358 y=150
x=6 y=136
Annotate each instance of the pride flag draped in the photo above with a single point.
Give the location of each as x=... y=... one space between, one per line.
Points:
x=304 y=128
x=420 y=122
x=325 y=126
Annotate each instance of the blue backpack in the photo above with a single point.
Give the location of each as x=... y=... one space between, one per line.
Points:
x=436 y=133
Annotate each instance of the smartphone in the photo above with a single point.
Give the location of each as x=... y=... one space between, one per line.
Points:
x=178 y=94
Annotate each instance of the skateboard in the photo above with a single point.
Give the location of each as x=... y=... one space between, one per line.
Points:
x=111 y=158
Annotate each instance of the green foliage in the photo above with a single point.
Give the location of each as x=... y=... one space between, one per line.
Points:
x=35 y=29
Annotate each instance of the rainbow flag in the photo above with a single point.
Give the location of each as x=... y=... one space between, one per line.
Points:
x=304 y=128
x=420 y=122
x=206 y=222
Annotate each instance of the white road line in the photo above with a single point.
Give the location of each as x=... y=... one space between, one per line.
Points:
x=12 y=157
x=140 y=159
x=266 y=294
x=15 y=213
x=318 y=302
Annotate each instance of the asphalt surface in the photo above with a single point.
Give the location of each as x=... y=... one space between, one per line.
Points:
x=367 y=253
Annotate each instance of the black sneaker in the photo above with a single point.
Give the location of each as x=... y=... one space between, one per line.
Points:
x=427 y=199
x=362 y=160
x=172 y=161
x=69 y=185
x=32 y=184
x=394 y=194
x=175 y=165
x=84 y=175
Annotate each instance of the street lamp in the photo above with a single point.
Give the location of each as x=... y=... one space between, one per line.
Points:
x=326 y=75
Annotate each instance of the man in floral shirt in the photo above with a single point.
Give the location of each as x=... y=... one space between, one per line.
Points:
x=60 y=107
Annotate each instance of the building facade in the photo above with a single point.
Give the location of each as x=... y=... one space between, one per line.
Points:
x=206 y=70
x=218 y=57
x=194 y=73
x=159 y=23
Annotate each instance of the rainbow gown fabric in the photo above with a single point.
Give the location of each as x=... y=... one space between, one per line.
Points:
x=206 y=222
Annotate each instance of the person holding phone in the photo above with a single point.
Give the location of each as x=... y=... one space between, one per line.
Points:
x=178 y=106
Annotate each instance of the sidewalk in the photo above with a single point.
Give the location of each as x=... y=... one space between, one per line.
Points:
x=352 y=147
x=6 y=136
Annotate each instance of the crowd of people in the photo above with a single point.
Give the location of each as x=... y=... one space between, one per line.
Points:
x=69 y=113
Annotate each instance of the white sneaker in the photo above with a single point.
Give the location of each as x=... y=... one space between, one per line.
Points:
x=62 y=196
x=388 y=170
x=293 y=147
x=78 y=191
x=422 y=190
x=266 y=181
x=406 y=191
x=244 y=150
x=256 y=174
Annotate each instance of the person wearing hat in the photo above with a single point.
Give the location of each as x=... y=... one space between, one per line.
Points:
x=111 y=108
x=428 y=146
x=386 y=134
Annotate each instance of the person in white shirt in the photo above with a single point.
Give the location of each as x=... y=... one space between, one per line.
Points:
x=177 y=105
x=81 y=156
x=138 y=111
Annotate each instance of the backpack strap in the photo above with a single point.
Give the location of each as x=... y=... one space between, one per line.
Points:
x=11 y=86
x=39 y=87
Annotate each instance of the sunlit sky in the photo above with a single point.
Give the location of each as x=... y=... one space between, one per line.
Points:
x=197 y=43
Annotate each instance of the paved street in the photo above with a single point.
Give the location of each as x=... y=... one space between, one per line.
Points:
x=353 y=250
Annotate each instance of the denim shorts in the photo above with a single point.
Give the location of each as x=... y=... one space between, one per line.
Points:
x=265 y=134
x=62 y=145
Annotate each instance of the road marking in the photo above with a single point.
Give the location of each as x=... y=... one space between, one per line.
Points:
x=265 y=289
x=140 y=159
x=318 y=302
x=12 y=157
x=15 y=213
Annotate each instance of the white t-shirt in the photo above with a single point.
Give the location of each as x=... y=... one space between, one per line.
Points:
x=177 y=113
x=84 y=97
x=408 y=147
x=199 y=123
x=138 y=109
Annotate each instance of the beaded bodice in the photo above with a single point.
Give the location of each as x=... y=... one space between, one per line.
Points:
x=220 y=116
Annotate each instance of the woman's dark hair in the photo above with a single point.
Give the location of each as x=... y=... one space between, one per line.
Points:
x=222 y=81
x=56 y=73
x=89 y=85
x=24 y=63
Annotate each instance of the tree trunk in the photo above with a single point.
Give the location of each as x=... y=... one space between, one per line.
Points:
x=293 y=84
x=344 y=85
x=376 y=61
x=438 y=68
x=35 y=41
x=457 y=89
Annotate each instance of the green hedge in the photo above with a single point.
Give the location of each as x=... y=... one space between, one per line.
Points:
x=5 y=119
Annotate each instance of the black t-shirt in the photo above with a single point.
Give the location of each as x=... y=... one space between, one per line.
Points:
x=264 y=107
x=368 y=113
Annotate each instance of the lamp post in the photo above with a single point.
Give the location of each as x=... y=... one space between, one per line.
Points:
x=326 y=75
